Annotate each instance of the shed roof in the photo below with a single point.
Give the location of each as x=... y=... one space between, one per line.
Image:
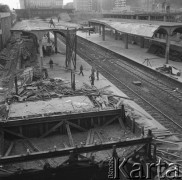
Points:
x=40 y=25
x=136 y=27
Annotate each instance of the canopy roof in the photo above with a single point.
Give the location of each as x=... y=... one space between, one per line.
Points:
x=40 y=25
x=135 y=27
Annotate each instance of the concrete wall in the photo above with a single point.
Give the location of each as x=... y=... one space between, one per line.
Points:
x=5 y=26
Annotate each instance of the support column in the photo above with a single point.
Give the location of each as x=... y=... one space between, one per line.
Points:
x=167 y=48
x=149 y=18
x=99 y=29
x=142 y=41
x=116 y=35
x=41 y=55
x=111 y=32
x=48 y=36
x=55 y=42
x=89 y=30
x=73 y=80
x=103 y=33
x=126 y=41
x=16 y=85
x=75 y=49
x=165 y=18
x=1 y=141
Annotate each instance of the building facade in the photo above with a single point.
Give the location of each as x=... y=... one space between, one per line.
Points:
x=87 y=5
x=5 y=26
x=107 y=5
x=120 y=3
x=83 y=5
x=25 y=4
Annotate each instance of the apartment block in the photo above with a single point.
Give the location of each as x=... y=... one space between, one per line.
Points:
x=24 y=4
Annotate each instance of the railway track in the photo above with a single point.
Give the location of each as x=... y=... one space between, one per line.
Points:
x=162 y=103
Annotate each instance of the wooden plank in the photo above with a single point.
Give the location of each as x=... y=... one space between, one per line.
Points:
x=76 y=126
x=70 y=135
x=52 y=129
x=9 y=149
x=110 y=121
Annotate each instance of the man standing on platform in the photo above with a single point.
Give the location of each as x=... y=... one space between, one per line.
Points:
x=92 y=79
x=51 y=63
x=92 y=71
x=97 y=73
x=51 y=22
x=81 y=70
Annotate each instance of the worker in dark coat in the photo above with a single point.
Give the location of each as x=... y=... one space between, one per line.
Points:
x=51 y=63
x=51 y=22
x=81 y=70
x=92 y=79
x=97 y=74
x=59 y=18
x=92 y=71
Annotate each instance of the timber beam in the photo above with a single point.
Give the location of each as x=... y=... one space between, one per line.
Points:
x=66 y=152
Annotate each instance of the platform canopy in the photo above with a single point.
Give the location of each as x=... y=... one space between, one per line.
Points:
x=42 y=25
x=135 y=27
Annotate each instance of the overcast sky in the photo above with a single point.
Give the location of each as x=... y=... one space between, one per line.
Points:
x=15 y=3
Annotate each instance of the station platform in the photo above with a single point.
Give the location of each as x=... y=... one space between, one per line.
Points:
x=134 y=52
x=142 y=118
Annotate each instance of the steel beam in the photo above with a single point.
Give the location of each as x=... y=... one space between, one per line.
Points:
x=126 y=41
x=103 y=33
x=116 y=35
x=9 y=149
x=65 y=152
x=58 y=118
x=52 y=129
x=142 y=42
x=1 y=141
x=70 y=135
x=110 y=121
x=100 y=30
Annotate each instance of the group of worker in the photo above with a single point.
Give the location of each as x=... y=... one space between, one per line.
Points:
x=92 y=76
x=51 y=22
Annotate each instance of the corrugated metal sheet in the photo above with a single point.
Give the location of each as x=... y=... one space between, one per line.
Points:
x=145 y=30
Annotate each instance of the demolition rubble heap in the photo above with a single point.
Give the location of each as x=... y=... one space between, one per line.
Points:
x=18 y=50
x=53 y=89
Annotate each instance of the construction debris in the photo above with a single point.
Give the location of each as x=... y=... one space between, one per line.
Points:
x=47 y=89
x=138 y=83
x=169 y=69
